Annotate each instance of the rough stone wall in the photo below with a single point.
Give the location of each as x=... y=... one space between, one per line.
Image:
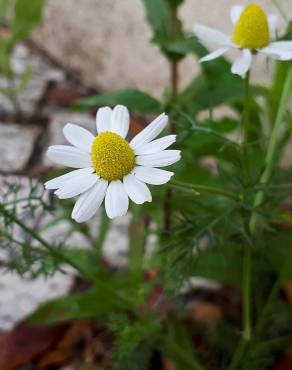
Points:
x=106 y=42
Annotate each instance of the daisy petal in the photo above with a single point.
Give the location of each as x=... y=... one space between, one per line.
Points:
x=60 y=180
x=69 y=156
x=242 y=63
x=215 y=54
x=72 y=188
x=120 y=121
x=116 y=199
x=153 y=176
x=156 y=145
x=88 y=203
x=211 y=36
x=283 y=45
x=137 y=190
x=161 y=159
x=79 y=137
x=235 y=13
x=103 y=119
x=277 y=53
x=150 y=132
x=273 y=22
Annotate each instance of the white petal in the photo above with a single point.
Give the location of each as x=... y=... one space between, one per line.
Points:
x=79 y=137
x=69 y=156
x=235 y=13
x=283 y=45
x=211 y=36
x=103 y=119
x=156 y=145
x=60 y=180
x=161 y=159
x=153 y=176
x=120 y=121
x=72 y=188
x=273 y=22
x=116 y=199
x=215 y=54
x=89 y=202
x=150 y=132
x=137 y=190
x=242 y=63
x=277 y=53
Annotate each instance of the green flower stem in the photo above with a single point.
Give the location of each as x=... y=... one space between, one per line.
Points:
x=209 y=189
x=7 y=236
x=272 y=148
x=246 y=285
x=247 y=250
x=245 y=120
x=189 y=361
x=270 y=158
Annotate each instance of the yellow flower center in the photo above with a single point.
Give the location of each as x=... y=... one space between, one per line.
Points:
x=252 y=29
x=112 y=157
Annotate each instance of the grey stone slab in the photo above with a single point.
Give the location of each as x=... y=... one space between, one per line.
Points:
x=17 y=145
x=19 y=297
x=42 y=72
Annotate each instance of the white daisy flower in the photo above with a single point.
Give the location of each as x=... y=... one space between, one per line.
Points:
x=252 y=33
x=109 y=167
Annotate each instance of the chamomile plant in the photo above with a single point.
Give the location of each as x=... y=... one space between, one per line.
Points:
x=210 y=248
x=253 y=33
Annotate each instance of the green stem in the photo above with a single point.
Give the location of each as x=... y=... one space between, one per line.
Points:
x=240 y=350
x=247 y=250
x=272 y=148
x=264 y=314
x=270 y=158
x=245 y=120
x=25 y=246
x=184 y=357
x=246 y=309
x=206 y=188
x=42 y=241
x=246 y=284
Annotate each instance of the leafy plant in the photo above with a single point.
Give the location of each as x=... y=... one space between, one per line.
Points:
x=225 y=217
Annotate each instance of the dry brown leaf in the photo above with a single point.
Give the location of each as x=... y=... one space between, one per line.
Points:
x=26 y=342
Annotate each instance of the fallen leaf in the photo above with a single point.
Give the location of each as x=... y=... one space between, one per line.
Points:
x=25 y=342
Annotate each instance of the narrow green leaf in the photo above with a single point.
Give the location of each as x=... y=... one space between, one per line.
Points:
x=91 y=304
x=27 y=15
x=174 y=4
x=137 y=101
x=159 y=18
x=25 y=78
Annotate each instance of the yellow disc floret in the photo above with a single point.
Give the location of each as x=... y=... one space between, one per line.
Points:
x=252 y=29
x=112 y=157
